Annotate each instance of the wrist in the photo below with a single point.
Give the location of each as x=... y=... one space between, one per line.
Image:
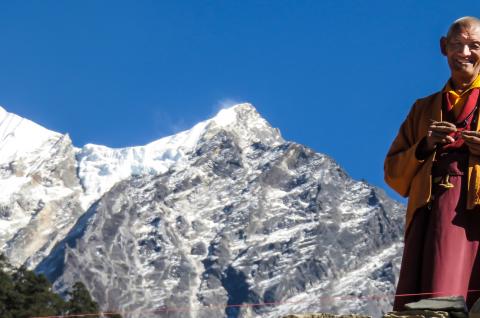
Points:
x=425 y=148
x=429 y=145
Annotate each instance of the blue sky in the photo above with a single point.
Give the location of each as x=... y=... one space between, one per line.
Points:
x=337 y=76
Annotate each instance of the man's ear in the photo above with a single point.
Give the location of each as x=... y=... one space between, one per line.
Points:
x=443 y=45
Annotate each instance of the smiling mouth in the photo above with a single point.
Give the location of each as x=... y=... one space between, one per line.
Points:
x=463 y=61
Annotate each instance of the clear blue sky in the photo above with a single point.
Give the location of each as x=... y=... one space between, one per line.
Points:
x=337 y=76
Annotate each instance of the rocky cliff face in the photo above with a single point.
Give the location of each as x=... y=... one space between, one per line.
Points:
x=224 y=214
x=40 y=189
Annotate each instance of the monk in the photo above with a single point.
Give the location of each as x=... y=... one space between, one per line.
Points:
x=435 y=162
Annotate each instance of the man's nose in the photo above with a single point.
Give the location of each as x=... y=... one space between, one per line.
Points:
x=465 y=50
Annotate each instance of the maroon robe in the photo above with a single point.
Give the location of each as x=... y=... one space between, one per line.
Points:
x=441 y=256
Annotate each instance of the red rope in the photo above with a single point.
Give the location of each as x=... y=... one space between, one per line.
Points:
x=221 y=306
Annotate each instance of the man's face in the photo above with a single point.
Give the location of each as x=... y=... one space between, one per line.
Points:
x=462 y=49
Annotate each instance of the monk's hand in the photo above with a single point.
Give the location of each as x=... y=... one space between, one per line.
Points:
x=438 y=134
x=472 y=140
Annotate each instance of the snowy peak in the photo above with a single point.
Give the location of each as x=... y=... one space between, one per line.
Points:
x=246 y=124
x=101 y=167
x=39 y=188
x=20 y=136
x=237 y=113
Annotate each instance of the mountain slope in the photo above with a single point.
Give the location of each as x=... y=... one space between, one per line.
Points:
x=40 y=190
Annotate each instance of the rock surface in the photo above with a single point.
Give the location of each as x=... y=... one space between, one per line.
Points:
x=417 y=314
x=453 y=303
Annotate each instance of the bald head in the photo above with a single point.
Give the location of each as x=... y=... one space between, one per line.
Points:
x=463 y=23
x=461 y=47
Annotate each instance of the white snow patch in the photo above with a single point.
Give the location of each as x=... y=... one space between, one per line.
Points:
x=20 y=136
x=226 y=117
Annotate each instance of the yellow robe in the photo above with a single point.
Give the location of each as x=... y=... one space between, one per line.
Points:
x=411 y=177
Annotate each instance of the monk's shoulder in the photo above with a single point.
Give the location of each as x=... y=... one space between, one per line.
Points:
x=426 y=102
x=425 y=105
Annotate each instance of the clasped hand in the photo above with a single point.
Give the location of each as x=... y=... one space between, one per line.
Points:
x=439 y=134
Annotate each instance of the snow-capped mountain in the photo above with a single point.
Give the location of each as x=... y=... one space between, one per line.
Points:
x=224 y=214
x=40 y=190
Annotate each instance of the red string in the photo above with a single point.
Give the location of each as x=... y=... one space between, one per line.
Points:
x=220 y=306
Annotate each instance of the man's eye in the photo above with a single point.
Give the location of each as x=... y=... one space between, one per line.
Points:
x=474 y=46
x=459 y=45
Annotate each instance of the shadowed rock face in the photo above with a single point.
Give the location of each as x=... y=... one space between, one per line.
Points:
x=46 y=203
x=243 y=218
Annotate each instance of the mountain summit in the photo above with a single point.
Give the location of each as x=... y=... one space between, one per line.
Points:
x=101 y=167
x=222 y=215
